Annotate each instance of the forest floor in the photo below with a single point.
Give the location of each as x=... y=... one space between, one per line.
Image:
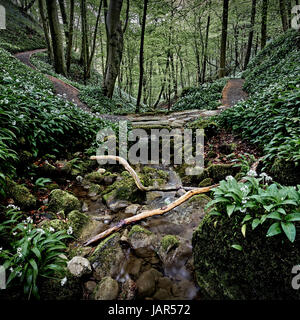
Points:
x=231 y=94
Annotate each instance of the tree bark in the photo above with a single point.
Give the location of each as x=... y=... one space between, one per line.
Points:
x=56 y=36
x=205 y=49
x=283 y=15
x=223 y=39
x=264 y=19
x=114 y=46
x=71 y=30
x=64 y=18
x=250 y=37
x=138 y=101
x=46 y=29
x=84 y=45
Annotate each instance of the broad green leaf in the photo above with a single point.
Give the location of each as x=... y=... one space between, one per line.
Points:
x=289 y=229
x=274 y=229
x=237 y=247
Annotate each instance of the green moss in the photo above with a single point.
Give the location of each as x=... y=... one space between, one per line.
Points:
x=20 y=194
x=150 y=175
x=256 y=272
x=138 y=229
x=202 y=198
x=220 y=171
x=94 y=177
x=77 y=220
x=206 y=182
x=52 y=186
x=95 y=188
x=62 y=200
x=56 y=224
x=168 y=242
x=285 y=172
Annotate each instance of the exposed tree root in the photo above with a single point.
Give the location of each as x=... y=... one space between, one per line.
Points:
x=148 y=213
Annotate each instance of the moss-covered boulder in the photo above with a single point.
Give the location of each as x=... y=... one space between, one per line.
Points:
x=206 y=182
x=62 y=200
x=285 y=172
x=140 y=237
x=169 y=242
x=56 y=224
x=151 y=176
x=261 y=270
x=95 y=177
x=123 y=189
x=77 y=220
x=108 y=258
x=219 y=172
x=20 y=194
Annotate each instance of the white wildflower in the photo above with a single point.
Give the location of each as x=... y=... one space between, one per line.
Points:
x=63 y=281
x=19 y=250
x=70 y=231
x=29 y=220
x=51 y=229
x=11 y=269
x=229 y=178
x=244 y=189
x=251 y=173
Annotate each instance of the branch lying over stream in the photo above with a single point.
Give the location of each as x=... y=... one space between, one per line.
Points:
x=148 y=213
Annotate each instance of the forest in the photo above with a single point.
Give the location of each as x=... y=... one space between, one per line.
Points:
x=149 y=150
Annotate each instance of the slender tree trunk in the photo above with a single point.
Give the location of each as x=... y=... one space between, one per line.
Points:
x=283 y=15
x=205 y=49
x=29 y=5
x=64 y=18
x=56 y=35
x=138 y=101
x=84 y=30
x=46 y=29
x=264 y=19
x=164 y=82
x=250 y=37
x=114 y=46
x=71 y=31
x=223 y=39
x=94 y=41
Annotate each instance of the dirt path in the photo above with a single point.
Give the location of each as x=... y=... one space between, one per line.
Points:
x=232 y=93
x=67 y=91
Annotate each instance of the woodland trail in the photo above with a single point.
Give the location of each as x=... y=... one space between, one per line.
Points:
x=232 y=93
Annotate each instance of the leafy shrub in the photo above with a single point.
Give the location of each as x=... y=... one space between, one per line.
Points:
x=206 y=96
x=32 y=253
x=256 y=203
x=35 y=119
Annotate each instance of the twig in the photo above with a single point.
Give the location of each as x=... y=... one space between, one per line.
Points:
x=148 y=213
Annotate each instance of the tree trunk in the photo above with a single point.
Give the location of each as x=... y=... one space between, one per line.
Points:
x=250 y=38
x=223 y=39
x=264 y=19
x=71 y=30
x=138 y=101
x=57 y=42
x=46 y=29
x=283 y=15
x=205 y=49
x=84 y=45
x=114 y=46
x=64 y=18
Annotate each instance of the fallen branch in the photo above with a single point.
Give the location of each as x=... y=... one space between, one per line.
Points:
x=148 y=213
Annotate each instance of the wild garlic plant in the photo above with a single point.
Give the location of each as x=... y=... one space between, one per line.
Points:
x=258 y=201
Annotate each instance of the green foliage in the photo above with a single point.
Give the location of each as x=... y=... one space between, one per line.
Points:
x=206 y=96
x=256 y=203
x=35 y=119
x=41 y=182
x=32 y=253
x=22 y=32
x=270 y=117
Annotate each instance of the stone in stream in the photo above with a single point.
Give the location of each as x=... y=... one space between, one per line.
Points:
x=79 y=266
x=146 y=283
x=132 y=209
x=107 y=289
x=63 y=200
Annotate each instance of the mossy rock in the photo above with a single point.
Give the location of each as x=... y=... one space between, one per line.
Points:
x=138 y=229
x=20 y=194
x=219 y=172
x=108 y=257
x=95 y=189
x=62 y=200
x=25 y=157
x=210 y=127
x=52 y=186
x=206 y=182
x=95 y=177
x=202 y=199
x=56 y=224
x=77 y=220
x=285 y=172
x=169 y=242
x=124 y=189
x=255 y=272
x=149 y=176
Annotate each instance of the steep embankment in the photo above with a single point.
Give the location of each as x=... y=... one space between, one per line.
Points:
x=246 y=248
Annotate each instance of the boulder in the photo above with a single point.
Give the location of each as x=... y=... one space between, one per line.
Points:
x=79 y=266
x=146 y=283
x=20 y=194
x=77 y=220
x=107 y=289
x=62 y=200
